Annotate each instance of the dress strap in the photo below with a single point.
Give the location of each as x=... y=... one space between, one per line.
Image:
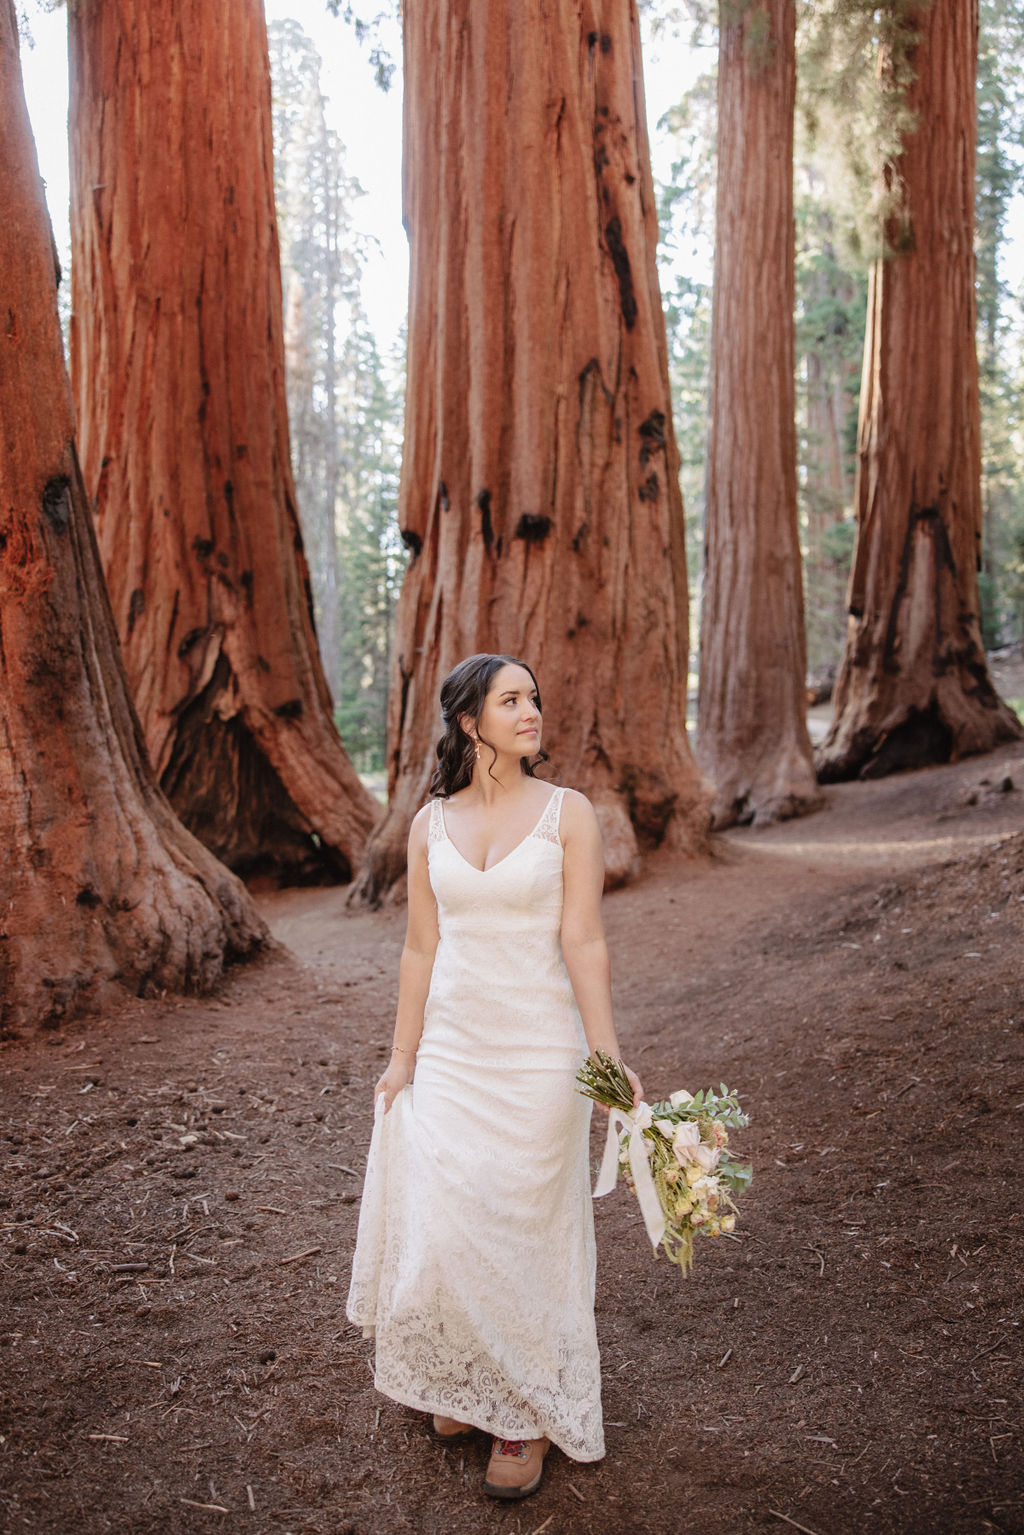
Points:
x=547 y=827
x=435 y=828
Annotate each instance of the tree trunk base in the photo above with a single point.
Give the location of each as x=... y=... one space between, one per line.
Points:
x=229 y=795
x=382 y=871
x=915 y=738
x=621 y=853
x=171 y=930
x=782 y=790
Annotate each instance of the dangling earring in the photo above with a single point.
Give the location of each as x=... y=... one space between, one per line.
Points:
x=476 y=748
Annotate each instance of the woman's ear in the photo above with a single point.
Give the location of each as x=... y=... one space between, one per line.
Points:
x=467 y=724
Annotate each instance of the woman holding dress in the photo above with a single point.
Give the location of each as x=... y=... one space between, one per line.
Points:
x=475 y=1260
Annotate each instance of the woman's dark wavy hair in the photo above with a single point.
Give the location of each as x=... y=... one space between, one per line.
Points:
x=463 y=692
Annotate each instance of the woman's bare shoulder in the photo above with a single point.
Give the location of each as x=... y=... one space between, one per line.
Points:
x=421 y=825
x=577 y=812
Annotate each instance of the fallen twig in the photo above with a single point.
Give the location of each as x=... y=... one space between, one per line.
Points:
x=308 y=1252
x=806 y=1530
x=818 y=1255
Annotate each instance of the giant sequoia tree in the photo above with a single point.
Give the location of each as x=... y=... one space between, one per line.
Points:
x=101 y=888
x=178 y=371
x=539 y=492
x=914 y=686
x=751 y=728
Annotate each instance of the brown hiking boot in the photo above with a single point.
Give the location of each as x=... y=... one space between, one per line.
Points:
x=450 y=1428
x=515 y=1467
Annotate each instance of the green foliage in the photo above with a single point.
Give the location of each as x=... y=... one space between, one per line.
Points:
x=855 y=67
x=831 y=303
x=698 y=19
x=855 y=63
x=831 y=291
x=344 y=403
x=368 y=32
x=688 y=320
x=1000 y=176
x=373 y=556
x=686 y=214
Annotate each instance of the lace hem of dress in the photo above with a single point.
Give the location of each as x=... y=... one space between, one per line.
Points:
x=433 y=1363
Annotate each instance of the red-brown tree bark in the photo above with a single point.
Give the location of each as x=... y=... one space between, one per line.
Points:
x=178 y=370
x=752 y=736
x=101 y=888
x=914 y=686
x=540 y=493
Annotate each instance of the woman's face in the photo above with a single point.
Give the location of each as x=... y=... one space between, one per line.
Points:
x=510 y=719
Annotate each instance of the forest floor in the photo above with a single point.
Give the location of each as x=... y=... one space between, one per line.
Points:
x=180 y=1185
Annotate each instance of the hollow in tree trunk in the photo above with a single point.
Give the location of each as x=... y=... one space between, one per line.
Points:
x=178 y=372
x=540 y=490
x=914 y=686
x=752 y=736
x=102 y=890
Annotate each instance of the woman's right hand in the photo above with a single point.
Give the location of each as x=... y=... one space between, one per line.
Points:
x=635 y=1084
x=397 y=1074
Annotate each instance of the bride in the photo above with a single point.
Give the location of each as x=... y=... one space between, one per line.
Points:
x=474 y=1265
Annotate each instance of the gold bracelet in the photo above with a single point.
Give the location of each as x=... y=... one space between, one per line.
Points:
x=401 y=1051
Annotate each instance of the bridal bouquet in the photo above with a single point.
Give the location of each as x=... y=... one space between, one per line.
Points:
x=673 y=1155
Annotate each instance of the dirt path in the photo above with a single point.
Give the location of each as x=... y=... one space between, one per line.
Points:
x=179 y=1189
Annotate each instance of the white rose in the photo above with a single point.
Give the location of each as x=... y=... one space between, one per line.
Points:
x=705 y=1189
x=680 y=1098
x=706 y=1157
x=665 y=1127
x=685 y=1141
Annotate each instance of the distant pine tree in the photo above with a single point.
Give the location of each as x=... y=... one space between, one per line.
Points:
x=344 y=402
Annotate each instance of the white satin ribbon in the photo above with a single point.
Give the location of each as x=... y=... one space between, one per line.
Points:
x=635 y=1123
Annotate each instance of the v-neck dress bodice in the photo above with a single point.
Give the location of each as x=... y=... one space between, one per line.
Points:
x=475 y=1259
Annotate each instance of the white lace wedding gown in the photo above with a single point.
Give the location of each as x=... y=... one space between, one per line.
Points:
x=475 y=1260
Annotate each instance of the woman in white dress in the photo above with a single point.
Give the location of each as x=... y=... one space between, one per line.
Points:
x=475 y=1263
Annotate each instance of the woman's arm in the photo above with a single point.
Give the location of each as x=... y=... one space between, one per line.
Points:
x=415 y=968
x=583 y=941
